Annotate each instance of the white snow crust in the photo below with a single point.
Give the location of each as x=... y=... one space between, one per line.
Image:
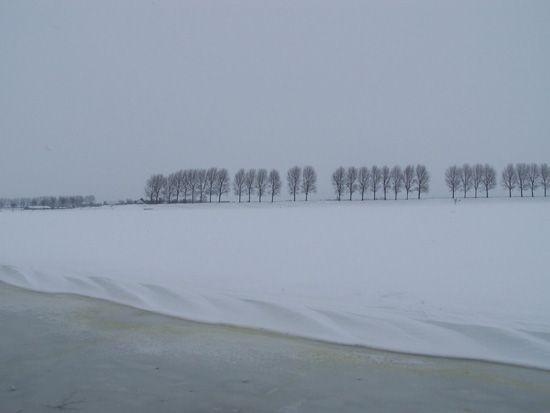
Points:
x=466 y=280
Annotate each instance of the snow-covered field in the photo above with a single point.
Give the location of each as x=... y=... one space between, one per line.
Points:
x=430 y=277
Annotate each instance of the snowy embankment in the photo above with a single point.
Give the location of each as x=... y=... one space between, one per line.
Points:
x=468 y=280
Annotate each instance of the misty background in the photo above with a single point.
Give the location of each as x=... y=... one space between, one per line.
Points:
x=98 y=95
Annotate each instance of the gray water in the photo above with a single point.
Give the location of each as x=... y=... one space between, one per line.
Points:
x=61 y=352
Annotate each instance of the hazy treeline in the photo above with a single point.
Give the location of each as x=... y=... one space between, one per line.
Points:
x=377 y=179
x=525 y=177
x=48 y=202
x=201 y=185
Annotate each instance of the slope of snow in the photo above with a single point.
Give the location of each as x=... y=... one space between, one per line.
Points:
x=430 y=277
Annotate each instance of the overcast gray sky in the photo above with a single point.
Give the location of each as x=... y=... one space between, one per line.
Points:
x=98 y=95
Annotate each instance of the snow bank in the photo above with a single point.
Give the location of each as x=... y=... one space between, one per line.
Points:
x=428 y=277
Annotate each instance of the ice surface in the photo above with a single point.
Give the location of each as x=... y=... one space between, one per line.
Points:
x=65 y=352
x=430 y=277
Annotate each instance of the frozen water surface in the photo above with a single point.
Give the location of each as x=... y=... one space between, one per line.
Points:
x=61 y=351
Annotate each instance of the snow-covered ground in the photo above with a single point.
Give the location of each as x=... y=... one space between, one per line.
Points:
x=430 y=277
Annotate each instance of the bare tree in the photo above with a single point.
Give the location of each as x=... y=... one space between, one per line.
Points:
x=466 y=178
x=477 y=177
x=63 y=201
x=238 y=183
x=261 y=183
x=274 y=183
x=533 y=177
x=169 y=188
x=338 y=181
x=79 y=201
x=193 y=182
x=509 y=178
x=211 y=180
x=422 y=179
x=522 y=177
x=409 y=179
x=88 y=200
x=351 y=180
x=489 y=178
x=201 y=183
x=363 y=179
x=375 y=178
x=309 y=180
x=44 y=201
x=545 y=177
x=452 y=178
x=163 y=183
x=222 y=184
x=177 y=178
x=293 y=177
x=185 y=184
x=153 y=188
x=396 y=179
x=25 y=202
x=250 y=182
x=385 y=173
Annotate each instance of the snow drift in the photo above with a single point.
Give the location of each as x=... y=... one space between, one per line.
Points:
x=430 y=277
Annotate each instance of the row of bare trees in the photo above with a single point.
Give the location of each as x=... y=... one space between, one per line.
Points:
x=48 y=202
x=362 y=180
x=466 y=177
x=523 y=176
x=200 y=185
x=260 y=182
